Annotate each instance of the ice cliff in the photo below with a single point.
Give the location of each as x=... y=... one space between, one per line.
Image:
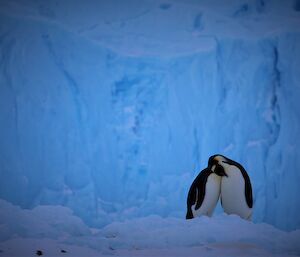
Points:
x=111 y=108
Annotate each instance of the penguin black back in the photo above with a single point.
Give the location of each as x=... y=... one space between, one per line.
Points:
x=197 y=192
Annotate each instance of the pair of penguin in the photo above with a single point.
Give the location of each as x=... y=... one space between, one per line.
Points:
x=222 y=178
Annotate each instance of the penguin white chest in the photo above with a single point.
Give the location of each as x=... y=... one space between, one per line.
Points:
x=233 y=197
x=212 y=193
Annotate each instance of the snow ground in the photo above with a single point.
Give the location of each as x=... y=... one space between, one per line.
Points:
x=52 y=229
x=163 y=246
x=28 y=248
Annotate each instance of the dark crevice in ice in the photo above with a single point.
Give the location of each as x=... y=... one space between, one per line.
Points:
x=274 y=128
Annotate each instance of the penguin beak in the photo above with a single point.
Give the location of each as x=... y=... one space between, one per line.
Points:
x=220 y=171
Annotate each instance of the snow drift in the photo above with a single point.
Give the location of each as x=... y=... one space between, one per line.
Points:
x=52 y=228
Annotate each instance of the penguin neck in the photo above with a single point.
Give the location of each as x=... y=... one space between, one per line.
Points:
x=215 y=177
x=229 y=169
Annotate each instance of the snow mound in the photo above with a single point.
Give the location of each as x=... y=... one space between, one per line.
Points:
x=157 y=232
x=54 y=228
x=42 y=221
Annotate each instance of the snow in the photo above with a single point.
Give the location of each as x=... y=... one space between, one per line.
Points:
x=50 y=221
x=51 y=229
x=111 y=108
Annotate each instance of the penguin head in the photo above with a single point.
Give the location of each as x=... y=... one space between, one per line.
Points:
x=215 y=164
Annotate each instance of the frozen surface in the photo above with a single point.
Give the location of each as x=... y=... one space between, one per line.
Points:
x=111 y=108
x=222 y=235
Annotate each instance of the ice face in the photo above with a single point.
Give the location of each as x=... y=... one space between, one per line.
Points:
x=113 y=111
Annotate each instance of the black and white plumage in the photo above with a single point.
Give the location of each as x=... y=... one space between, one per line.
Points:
x=236 y=189
x=203 y=194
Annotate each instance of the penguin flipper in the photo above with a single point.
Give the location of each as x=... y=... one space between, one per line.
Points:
x=200 y=196
x=200 y=184
x=248 y=188
x=197 y=192
x=191 y=199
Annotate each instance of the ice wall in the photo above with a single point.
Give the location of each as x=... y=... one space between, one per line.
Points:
x=113 y=111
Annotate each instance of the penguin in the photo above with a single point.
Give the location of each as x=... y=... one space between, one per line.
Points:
x=203 y=194
x=236 y=189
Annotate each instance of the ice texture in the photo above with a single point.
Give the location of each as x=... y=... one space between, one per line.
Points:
x=111 y=108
